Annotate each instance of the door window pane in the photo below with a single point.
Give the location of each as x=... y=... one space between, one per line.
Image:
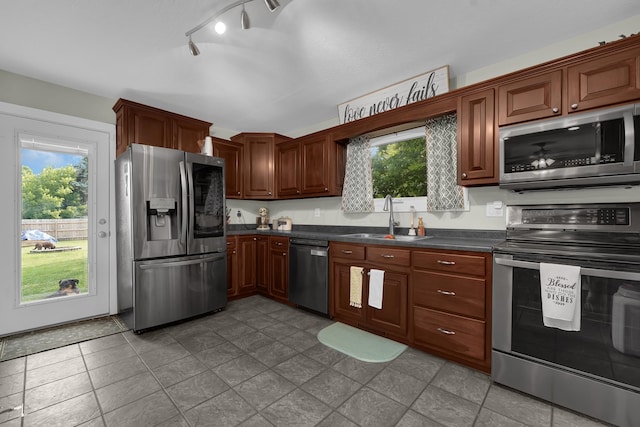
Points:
x=54 y=222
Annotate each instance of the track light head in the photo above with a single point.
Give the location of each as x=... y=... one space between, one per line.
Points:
x=193 y=49
x=272 y=5
x=244 y=19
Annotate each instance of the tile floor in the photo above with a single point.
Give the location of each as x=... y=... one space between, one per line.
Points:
x=258 y=363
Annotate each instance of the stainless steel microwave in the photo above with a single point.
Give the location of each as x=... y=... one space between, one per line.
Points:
x=594 y=148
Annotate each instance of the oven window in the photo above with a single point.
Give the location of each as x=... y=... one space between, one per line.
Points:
x=608 y=343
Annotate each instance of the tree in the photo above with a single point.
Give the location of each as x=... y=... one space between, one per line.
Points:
x=400 y=169
x=51 y=194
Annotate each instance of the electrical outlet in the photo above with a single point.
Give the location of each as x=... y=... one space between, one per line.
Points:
x=316 y=213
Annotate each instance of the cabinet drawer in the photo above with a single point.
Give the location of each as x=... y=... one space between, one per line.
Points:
x=454 y=294
x=346 y=250
x=452 y=263
x=279 y=243
x=390 y=256
x=450 y=332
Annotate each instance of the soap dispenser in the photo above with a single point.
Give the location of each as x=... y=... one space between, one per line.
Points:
x=420 y=227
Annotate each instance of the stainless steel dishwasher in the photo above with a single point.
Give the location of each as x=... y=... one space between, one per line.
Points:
x=309 y=274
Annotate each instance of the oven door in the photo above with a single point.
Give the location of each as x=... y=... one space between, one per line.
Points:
x=602 y=357
x=608 y=343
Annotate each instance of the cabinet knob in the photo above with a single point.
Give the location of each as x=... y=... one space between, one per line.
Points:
x=326 y=189
x=269 y=193
x=297 y=191
x=279 y=243
x=284 y=254
x=233 y=252
x=238 y=193
x=574 y=106
x=555 y=109
x=464 y=174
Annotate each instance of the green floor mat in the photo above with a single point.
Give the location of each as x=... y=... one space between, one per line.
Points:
x=359 y=344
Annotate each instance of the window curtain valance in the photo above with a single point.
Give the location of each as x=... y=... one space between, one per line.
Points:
x=357 y=190
x=443 y=192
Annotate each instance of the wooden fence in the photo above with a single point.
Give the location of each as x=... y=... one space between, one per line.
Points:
x=61 y=229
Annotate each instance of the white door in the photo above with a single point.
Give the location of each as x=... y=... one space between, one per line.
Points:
x=54 y=166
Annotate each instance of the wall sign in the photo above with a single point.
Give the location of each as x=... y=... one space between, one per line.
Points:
x=418 y=88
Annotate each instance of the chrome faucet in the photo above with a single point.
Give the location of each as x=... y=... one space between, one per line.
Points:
x=388 y=206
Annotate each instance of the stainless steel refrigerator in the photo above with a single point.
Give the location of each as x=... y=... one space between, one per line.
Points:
x=171 y=246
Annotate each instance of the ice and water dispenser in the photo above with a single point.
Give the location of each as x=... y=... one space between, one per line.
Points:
x=162 y=218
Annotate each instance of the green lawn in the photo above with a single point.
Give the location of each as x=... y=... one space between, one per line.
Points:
x=41 y=272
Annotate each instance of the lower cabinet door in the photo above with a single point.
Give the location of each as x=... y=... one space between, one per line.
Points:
x=392 y=317
x=342 y=284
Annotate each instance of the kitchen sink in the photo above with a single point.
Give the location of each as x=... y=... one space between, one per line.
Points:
x=400 y=238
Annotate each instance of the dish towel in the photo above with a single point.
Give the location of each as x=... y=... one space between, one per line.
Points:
x=355 y=286
x=376 y=278
x=560 y=290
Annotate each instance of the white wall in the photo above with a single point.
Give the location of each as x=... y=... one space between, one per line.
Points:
x=302 y=211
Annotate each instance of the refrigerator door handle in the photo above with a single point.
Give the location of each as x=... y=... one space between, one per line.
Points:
x=183 y=188
x=172 y=264
x=191 y=209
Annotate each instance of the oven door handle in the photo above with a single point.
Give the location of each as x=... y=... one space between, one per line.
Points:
x=611 y=274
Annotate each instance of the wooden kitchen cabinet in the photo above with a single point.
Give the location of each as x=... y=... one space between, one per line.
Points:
x=246 y=283
x=392 y=319
x=530 y=99
x=262 y=264
x=450 y=310
x=477 y=139
x=279 y=268
x=607 y=80
x=232 y=153
x=288 y=164
x=258 y=163
x=232 y=266
x=310 y=166
x=142 y=124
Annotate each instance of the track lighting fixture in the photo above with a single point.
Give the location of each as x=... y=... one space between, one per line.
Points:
x=244 y=19
x=272 y=5
x=193 y=48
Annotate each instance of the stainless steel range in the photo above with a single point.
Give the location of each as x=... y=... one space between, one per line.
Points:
x=594 y=368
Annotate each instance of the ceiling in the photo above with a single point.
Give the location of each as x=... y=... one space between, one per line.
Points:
x=293 y=67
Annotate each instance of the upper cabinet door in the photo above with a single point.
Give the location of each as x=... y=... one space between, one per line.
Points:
x=477 y=145
x=316 y=165
x=530 y=99
x=258 y=177
x=604 y=81
x=149 y=127
x=288 y=169
x=186 y=135
x=232 y=154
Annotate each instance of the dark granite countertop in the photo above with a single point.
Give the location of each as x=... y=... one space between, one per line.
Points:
x=453 y=239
